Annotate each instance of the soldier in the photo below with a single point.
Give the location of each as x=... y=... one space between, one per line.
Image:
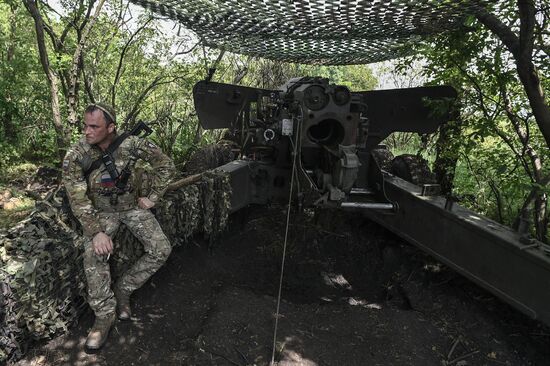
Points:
x=101 y=202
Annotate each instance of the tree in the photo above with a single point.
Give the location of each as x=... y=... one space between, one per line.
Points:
x=521 y=44
x=80 y=23
x=502 y=95
x=114 y=56
x=24 y=95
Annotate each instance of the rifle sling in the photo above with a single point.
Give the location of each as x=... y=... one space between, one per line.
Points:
x=110 y=150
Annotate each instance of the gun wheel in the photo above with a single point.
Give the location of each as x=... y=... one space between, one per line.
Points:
x=412 y=168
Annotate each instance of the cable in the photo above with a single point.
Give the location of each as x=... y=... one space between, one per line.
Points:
x=284 y=247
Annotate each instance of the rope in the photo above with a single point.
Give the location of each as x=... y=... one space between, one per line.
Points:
x=295 y=146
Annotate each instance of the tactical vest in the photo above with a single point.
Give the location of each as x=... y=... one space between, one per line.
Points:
x=108 y=175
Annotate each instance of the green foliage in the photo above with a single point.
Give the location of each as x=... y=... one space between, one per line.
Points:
x=23 y=91
x=134 y=66
x=131 y=65
x=16 y=171
x=148 y=85
x=268 y=74
x=499 y=135
x=356 y=77
x=491 y=183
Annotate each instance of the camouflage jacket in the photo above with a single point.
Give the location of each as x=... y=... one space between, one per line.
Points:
x=89 y=197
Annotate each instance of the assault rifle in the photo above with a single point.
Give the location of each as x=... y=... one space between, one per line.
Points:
x=122 y=179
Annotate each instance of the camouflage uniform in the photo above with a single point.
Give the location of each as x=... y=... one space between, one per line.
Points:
x=92 y=205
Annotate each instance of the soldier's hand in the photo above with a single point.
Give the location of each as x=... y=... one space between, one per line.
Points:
x=145 y=203
x=102 y=244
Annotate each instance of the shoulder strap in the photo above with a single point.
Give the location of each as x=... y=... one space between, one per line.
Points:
x=108 y=152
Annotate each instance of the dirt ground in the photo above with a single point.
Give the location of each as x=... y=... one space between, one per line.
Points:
x=353 y=294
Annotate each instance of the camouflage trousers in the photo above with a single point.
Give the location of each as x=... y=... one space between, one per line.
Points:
x=145 y=227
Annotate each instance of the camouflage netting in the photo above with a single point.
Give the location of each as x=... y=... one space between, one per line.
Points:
x=332 y=32
x=42 y=285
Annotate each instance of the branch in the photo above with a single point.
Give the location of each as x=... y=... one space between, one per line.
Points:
x=59 y=42
x=507 y=106
x=144 y=94
x=107 y=41
x=472 y=170
x=527 y=28
x=535 y=160
x=498 y=197
x=74 y=22
x=39 y=27
x=64 y=79
x=184 y=182
x=87 y=84
x=527 y=129
x=121 y=59
x=87 y=17
x=59 y=48
x=189 y=50
x=475 y=82
x=534 y=193
x=510 y=40
x=542 y=30
x=501 y=134
x=75 y=68
x=62 y=136
x=522 y=49
x=122 y=13
x=510 y=144
x=57 y=45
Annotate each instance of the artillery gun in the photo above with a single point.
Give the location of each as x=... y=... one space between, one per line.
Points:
x=333 y=134
x=319 y=144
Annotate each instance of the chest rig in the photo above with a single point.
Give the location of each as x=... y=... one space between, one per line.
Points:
x=121 y=178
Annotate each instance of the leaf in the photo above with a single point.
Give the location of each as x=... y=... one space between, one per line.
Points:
x=30 y=266
x=13 y=267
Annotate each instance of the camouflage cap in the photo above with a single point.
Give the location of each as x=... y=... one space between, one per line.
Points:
x=108 y=111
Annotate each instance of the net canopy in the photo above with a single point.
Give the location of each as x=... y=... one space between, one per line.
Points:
x=330 y=32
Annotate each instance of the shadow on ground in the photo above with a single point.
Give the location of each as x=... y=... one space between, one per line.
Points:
x=353 y=294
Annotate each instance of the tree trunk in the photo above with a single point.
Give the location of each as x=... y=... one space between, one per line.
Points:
x=74 y=75
x=6 y=119
x=540 y=201
x=447 y=149
x=535 y=172
x=528 y=76
x=522 y=50
x=198 y=134
x=446 y=156
x=62 y=134
x=541 y=220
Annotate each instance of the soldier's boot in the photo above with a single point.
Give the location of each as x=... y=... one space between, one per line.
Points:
x=122 y=303
x=99 y=332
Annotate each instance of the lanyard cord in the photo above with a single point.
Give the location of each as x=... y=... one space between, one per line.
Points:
x=295 y=153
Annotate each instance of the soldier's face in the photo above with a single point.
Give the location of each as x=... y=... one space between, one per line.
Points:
x=96 y=129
